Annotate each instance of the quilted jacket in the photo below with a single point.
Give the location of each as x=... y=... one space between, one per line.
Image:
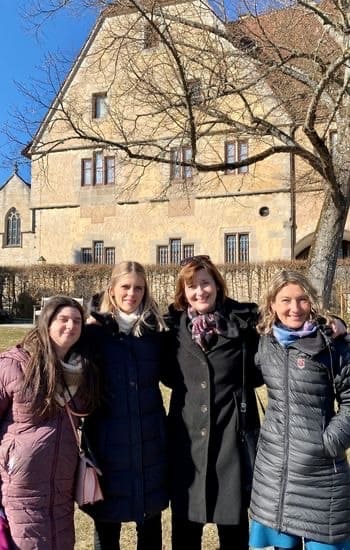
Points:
x=38 y=459
x=302 y=481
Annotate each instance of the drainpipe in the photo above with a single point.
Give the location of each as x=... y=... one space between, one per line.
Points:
x=292 y=200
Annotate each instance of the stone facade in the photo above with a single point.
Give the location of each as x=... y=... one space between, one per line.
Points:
x=143 y=213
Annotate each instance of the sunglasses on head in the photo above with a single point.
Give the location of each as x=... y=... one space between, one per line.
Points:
x=195 y=259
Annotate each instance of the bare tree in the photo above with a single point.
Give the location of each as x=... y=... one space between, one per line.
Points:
x=276 y=73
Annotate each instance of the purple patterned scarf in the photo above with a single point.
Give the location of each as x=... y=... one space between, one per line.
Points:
x=203 y=327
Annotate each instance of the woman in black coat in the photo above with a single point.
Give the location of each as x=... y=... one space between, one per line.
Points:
x=209 y=332
x=127 y=432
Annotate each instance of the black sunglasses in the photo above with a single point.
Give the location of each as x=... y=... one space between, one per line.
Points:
x=195 y=259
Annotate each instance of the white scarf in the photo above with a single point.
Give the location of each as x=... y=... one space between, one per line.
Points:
x=126 y=321
x=72 y=374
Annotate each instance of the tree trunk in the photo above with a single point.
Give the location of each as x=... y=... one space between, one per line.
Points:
x=327 y=239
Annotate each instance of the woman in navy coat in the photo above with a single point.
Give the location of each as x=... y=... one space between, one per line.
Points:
x=127 y=432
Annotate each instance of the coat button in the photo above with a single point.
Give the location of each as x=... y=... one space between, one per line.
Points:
x=203 y=432
x=204 y=408
x=204 y=384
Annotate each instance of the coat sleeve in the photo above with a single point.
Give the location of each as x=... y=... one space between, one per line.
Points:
x=336 y=437
x=10 y=371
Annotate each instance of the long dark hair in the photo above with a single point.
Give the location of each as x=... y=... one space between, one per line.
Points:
x=43 y=371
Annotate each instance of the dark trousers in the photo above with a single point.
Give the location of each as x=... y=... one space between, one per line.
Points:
x=149 y=534
x=188 y=534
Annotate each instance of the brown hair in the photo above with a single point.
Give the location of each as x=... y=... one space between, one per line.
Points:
x=186 y=275
x=44 y=370
x=278 y=281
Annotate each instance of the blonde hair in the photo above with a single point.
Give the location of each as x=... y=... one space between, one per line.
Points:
x=148 y=305
x=279 y=280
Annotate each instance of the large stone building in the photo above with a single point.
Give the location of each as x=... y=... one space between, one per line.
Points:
x=89 y=201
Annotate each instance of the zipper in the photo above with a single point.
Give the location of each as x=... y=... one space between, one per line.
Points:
x=52 y=481
x=285 y=444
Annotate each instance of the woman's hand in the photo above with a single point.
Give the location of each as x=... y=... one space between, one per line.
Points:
x=338 y=327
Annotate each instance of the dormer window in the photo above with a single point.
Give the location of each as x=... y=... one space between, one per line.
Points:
x=99 y=105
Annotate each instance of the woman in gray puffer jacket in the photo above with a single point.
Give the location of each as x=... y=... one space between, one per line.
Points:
x=38 y=450
x=301 y=487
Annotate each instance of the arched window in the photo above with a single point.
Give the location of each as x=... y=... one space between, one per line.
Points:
x=13 y=228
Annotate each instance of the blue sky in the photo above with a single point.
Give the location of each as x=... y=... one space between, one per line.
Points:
x=22 y=59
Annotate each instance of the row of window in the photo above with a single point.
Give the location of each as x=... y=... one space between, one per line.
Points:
x=236 y=251
x=100 y=170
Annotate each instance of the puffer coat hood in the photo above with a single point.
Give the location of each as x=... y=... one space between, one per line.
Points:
x=301 y=481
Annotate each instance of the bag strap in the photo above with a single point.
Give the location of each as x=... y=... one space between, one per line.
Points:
x=70 y=414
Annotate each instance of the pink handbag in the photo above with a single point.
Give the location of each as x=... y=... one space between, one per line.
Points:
x=87 y=485
x=5 y=537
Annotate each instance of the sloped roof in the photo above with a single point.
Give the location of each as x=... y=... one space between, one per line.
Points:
x=294 y=36
x=16 y=176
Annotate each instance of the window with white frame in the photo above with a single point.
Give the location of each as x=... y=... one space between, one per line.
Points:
x=174 y=252
x=237 y=248
x=13 y=228
x=98 y=170
x=99 y=105
x=177 y=156
x=333 y=140
x=235 y=151
x=98 y=254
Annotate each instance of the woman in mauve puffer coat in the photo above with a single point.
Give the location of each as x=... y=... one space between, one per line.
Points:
x=301 y=486
x=38 y=450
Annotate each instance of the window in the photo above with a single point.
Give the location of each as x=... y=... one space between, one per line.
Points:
x=98 y=254
x=236 y=151
x=86 y=172
x=195 y=92
x=13 y=228
x=237 y=248
x=99 y=105
x=109 y=170
x=150 y=36
x=99 y=180
x=333 y=139
x=86 y=255
x=162 y=255
x=178 y=155
x=110 y=255
x=98 y=170
x=174 y=252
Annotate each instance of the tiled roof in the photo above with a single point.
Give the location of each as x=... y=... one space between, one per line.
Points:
x=293 y=36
